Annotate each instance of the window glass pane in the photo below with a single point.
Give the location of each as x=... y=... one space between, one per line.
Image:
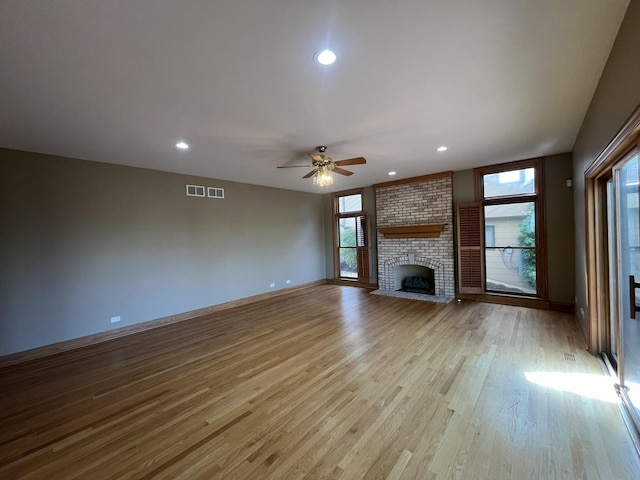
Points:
x=514 y=224
x=350 y=203
x=511 y=270
x=505 y=184
x=508 y=226
x=347 y=227
x=630 y=172
x=348 y=263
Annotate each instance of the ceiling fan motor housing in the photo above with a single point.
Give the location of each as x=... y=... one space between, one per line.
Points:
x=323 y=164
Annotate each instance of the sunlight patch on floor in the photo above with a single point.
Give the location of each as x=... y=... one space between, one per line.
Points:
x=587 y=385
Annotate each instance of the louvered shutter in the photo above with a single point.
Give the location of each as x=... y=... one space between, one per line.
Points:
x=469 y=248
x=362 y=249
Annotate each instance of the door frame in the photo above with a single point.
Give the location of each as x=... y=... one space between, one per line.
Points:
x=595 y=178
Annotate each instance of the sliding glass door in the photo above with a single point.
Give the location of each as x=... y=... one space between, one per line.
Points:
x=624 y=240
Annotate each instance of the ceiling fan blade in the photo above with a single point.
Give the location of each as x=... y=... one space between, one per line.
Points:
x=352 y=161
x=316 y=157
x=294 y=166
x=342 y=171
x=311 y=173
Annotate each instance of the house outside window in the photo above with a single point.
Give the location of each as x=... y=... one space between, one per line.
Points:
x=490 y=235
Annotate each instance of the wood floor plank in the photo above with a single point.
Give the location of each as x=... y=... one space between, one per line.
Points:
x=329 y=382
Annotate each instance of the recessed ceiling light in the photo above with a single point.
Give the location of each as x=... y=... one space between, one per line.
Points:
x=442 y=149
x=182 y=146
x=325 y=57
x=392 y=173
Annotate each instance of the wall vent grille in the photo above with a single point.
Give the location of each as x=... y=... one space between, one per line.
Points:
x=214 y=192
x=195 y=191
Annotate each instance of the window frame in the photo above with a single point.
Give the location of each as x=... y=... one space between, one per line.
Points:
x=336 y=233
x=537 y=198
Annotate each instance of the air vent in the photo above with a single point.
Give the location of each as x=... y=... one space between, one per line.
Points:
x=214 y=192
x=195 y=191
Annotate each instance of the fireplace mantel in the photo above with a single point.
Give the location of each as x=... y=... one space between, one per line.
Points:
x=432 y=230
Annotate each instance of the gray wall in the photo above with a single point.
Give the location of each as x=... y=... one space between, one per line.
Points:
x=463 y=187
x=616 y=96
x=328 y=235
x=84 y=241
x=559 y=222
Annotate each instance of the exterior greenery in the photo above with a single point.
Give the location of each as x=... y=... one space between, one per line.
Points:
x=348 y=260
x=527 y=238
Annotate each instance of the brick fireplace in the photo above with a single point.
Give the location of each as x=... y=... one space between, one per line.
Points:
x=415 y=227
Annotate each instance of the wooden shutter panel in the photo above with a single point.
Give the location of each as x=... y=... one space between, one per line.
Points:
x=362 y=242
x=363 y=264
x=470 y=256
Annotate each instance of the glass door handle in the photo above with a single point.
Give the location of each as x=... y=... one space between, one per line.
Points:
x=633 y=308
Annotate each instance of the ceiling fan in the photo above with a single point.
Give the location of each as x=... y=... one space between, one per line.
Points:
x=323 y=164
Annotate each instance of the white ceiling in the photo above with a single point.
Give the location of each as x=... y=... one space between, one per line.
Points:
x=122 y=82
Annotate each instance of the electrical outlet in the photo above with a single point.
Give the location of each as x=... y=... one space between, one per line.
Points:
x=288 y=282
x=115 y=319
x=272 y=285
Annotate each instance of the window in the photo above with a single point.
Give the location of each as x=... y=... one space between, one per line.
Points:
x=350 y=203
x=509 y=183
x=351 y=240
x=511 y=198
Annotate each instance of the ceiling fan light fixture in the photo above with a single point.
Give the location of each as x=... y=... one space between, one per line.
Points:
x=323 y=178
x=325 y=57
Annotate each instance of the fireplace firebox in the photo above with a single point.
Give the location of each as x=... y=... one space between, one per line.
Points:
x=415 y=279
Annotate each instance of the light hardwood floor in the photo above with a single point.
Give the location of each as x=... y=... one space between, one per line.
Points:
x=330 y=382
